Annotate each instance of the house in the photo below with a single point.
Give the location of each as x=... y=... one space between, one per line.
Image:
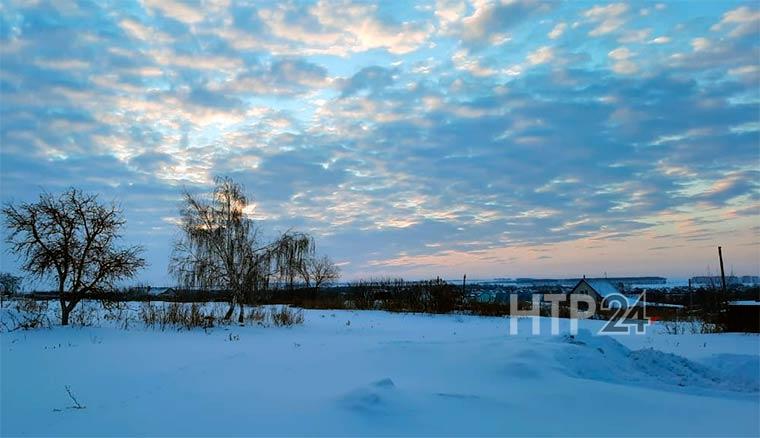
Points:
x=151 y=291
x=601 y=289
x=596 y=287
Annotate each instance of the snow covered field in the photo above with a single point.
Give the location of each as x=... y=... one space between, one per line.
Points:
x=344 y=372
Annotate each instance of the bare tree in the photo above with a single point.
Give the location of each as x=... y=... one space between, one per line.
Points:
x=324 y=271
x=72 y=239
x=221 y=246
x=293 y=249
x=318 y=271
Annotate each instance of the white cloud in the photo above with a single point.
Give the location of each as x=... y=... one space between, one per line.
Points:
x=623 y=64
x=178 y=10
x=348 y=28
x=625 y=67
x=136 y=29
x=337 y=29
x=620 y=54
x=463 y=61
x=660 y=40
x=635 y=36
x=602 y=12
x=747 y=73
x=449 y=12
x=541 y=55
x=743 y=21
x=558 y=30
x=198 y=61
x=607 y=26
x=745 y=70
x=607 y=18
x=496 y=17
x=498 y=39
x=699 y=44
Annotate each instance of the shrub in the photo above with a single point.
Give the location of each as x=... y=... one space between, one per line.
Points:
x=25 y=314
x=396 y=295
x=117 y=311
x=285 y=316
x=85 y=315
x=179 y=315
x=257 y=315
x=488 y=309
x=443 y=297
x=190 y=316
x=691 y=325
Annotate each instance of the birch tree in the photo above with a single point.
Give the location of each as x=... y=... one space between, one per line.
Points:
x=221 y=247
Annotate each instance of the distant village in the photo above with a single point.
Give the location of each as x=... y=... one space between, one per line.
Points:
x=499 y=289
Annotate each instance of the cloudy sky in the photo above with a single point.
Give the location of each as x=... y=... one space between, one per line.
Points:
x=511 y=138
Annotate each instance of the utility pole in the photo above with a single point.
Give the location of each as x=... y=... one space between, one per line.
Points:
x=464 y=282
x=722 y=273
x=691 y=296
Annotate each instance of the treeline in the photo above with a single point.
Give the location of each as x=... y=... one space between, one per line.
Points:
x=390 y=294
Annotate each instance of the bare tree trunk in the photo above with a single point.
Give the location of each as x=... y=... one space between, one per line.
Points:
x=240 y=317
x=64 y=309
x=228 y=315
x=65 y=315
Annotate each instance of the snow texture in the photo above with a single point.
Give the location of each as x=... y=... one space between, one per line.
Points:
x=381 y=374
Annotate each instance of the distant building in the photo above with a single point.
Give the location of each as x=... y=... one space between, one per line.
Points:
x=621 y=282
x=152 y=291
x=601 y=289
x=743 y=316
x=163 y=291
x=714 y=280
x=485 y=297
x=596 y=287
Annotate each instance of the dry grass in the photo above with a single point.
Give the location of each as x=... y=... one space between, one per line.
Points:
x=194 y=315
x=176 y=315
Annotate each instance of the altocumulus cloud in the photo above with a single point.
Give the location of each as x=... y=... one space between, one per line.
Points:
x=414 y=139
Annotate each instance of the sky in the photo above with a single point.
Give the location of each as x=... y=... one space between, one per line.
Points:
x=414 y=139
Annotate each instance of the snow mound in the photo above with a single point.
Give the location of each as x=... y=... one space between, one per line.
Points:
x=377 y=398
x=605 y=359
x=743 y=367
